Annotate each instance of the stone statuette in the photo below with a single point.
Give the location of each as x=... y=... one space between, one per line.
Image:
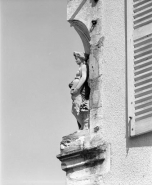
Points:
x=80 y=91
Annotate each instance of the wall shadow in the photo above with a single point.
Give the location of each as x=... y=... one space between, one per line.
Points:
x=93 y=2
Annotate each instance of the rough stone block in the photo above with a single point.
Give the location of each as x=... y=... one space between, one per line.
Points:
x=93 y=67
x=96 y=93
x=88 y=164
x=96 y=56
x=96 y=117
x=73 y=141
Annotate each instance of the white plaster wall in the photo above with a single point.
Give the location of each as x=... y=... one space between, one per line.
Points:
x=131 y=158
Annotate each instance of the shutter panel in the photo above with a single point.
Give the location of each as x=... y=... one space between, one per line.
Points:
x=139 y=41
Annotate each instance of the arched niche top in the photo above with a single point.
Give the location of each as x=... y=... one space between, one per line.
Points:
x=83 y=32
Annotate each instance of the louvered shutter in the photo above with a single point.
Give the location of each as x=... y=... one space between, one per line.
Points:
x=139 y=62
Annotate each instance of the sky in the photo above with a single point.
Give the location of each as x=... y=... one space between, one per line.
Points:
x=37 y=64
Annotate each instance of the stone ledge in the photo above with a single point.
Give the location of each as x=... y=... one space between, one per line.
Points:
x=83 y=157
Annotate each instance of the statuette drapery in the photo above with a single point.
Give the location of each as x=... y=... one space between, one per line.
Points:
x=80 y=91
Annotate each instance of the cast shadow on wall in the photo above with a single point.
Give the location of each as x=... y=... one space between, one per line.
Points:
x=94 y=2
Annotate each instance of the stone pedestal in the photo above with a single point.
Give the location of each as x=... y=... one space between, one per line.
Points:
x=85 y=158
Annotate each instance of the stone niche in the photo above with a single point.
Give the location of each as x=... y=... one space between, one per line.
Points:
x=85 y=155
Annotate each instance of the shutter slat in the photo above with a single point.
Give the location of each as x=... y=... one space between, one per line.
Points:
x=142 y=13
x=144 y=116
x=142 y=7
x=143 y=59
x=143 y=89
x=143 y=79
x=143 y=23
x=143 y=112
x=142 y=31
x=143 y=82
x=134 y=1
x=138 y=88
x=143 y=72
x=142 y=106
x=142 y=40
x=140 y=68
x=141 y=2
x=143 y=99
x=143 y=102
x=142 y=49
x=143 y=128
x=143 y=92
x=143 y=53
x=141 y=17
x=143 y=44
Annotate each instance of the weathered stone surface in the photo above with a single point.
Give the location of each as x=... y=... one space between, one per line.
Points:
x=83 y=10
x=96 y=117
x=86 y=165
x=96 y=93
x=96 y=44
x=73 y=142
x=93 y=67
x=81 y=140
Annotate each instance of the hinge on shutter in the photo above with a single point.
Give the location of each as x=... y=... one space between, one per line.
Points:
x=132 y=120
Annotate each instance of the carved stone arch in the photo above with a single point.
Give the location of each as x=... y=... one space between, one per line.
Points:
x=83 y=32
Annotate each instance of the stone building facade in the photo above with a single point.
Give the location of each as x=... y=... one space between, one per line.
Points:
x=112 y=151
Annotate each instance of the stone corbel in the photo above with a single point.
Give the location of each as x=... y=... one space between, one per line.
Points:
x=87 y=157
x=84 y=151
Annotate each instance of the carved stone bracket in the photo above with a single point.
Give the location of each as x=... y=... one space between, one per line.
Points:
x=85 y=159
x=81 y=150
x=73 y=142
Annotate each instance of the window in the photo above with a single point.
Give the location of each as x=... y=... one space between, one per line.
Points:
x=139 y=65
